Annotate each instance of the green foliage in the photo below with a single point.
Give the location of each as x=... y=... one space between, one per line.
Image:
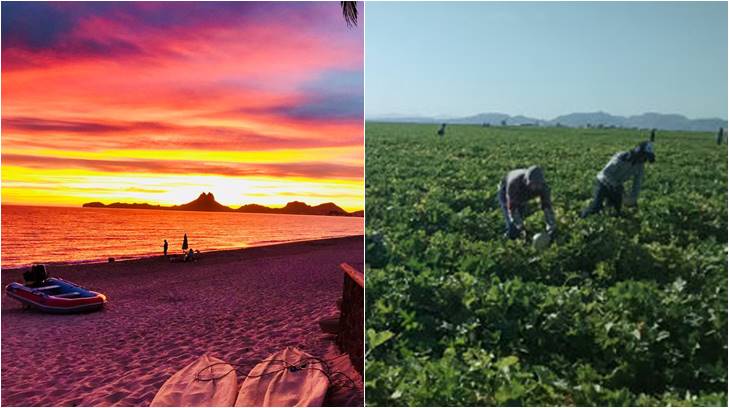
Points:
x=627 y=310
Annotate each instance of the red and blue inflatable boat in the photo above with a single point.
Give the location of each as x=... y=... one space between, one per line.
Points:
x=56 y=296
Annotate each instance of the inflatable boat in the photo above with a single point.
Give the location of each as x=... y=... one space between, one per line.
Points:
x=55 y=295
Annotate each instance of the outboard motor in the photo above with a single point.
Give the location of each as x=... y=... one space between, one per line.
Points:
x=36 y=275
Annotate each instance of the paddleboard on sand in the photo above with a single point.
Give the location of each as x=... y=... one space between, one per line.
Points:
x=289 y=378
x=184 y=389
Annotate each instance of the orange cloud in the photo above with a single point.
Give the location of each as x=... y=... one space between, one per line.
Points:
x=93 y=80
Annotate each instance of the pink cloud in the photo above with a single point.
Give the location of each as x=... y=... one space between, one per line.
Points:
x=93 y=76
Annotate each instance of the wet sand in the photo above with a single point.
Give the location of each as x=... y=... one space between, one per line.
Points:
x=239 y=305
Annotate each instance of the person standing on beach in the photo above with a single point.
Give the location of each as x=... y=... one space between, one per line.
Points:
x=165 y=247
x=184 y=243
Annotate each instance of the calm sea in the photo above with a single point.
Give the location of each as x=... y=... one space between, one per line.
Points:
x=66 y=235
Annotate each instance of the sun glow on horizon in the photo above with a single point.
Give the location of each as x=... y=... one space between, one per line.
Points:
x=23 y=186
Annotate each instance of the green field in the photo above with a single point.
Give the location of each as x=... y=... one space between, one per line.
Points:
x=627 y=310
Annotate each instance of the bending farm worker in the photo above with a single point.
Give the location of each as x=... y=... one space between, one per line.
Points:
x=621 y=167
x=515 y=190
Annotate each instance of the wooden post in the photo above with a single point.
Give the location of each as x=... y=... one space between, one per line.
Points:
x=719 y=136
x=351 y=323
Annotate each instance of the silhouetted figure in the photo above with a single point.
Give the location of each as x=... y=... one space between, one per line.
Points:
x=441 y=131
x=36 y=276
x=720 y=136
x=515 y=190
x=189 y=256
x=165 y=246
x=653 y=135
x=621 y=167
x=184 y=243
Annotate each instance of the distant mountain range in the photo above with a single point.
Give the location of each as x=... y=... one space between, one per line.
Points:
x=206 y=202
x=589 y=119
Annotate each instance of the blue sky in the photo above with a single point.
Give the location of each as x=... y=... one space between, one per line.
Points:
x=546 y=59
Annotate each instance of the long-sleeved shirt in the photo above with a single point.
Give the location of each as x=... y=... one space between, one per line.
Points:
x=619 y=169
x=517 y=193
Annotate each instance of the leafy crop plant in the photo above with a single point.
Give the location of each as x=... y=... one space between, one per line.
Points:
x=628 y=310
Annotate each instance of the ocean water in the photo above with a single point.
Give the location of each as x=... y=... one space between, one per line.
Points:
x=68 y=235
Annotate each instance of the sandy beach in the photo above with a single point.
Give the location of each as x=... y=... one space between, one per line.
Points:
x=239 y=305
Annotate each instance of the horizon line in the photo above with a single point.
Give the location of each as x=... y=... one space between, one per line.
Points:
x=161 y=205
x=460 y=116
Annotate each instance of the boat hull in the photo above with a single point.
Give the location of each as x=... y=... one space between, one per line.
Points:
x=84 y=301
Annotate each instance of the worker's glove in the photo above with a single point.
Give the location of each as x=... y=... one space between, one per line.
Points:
x=513 y=232
x=551 y=231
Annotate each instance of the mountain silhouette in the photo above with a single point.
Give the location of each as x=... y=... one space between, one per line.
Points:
x=647 y=120
x=298 y=207
x=206 y=202
x=589 y=119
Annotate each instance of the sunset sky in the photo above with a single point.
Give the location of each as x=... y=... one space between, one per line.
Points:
x=158 y=102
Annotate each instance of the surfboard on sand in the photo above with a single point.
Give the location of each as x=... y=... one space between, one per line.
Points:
x=184 y=389
x=273 y=382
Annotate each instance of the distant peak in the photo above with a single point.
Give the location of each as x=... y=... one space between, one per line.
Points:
x=206 y=202
x=296 y=204
x=329 y=204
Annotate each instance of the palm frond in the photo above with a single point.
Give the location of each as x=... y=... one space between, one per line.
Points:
x=349 y=10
